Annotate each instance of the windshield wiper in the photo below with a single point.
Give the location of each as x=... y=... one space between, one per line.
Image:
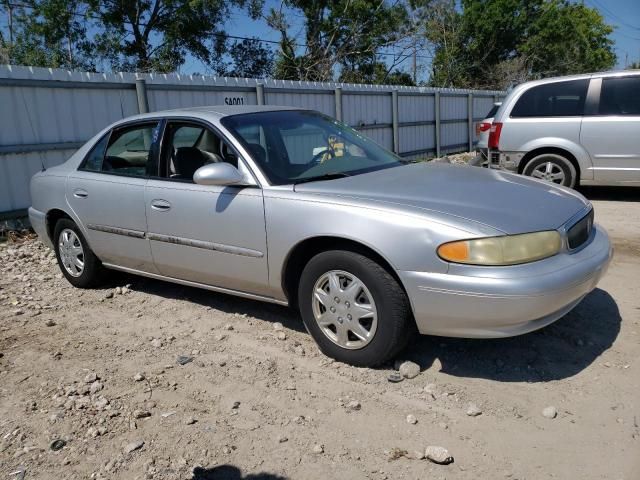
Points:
x=326 y=176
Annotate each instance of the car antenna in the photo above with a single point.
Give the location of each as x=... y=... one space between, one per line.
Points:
x=33 y=130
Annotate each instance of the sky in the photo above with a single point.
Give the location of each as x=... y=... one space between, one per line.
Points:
x=625 y=16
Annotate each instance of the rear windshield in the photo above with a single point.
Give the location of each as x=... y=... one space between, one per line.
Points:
x=492 y=112
x=559 y=99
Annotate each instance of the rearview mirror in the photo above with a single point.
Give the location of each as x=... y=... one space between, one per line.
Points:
x=220 y=173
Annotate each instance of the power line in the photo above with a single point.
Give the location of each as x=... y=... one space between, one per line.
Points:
x=238 y=37
x=612 y=15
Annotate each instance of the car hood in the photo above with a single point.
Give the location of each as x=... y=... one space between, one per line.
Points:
x=504 y=201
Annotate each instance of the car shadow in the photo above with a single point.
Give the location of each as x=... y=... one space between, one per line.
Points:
x=230 y=472
x=558 y=351
x=621 y=194
x=219 y=301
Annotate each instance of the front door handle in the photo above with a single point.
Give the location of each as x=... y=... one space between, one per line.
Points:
x=160 y=205
x=80 y=193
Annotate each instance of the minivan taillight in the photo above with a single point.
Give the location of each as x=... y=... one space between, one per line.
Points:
x=494 y=135
x=482 y=127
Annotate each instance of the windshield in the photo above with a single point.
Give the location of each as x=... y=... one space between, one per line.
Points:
x=298 y=146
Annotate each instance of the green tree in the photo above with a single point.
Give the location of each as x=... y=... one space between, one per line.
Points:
x=250 y=59
x=158 y=35
x=495 y=43
x=377 y=73
x=50 y=33
x=132 y=35
x=4 y=50
x=338 y=34
x=568 y=38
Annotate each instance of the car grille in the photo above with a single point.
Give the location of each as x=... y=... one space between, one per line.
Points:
x=580 y=231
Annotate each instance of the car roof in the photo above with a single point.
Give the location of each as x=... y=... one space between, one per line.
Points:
x=213 y=112
x=582 y=76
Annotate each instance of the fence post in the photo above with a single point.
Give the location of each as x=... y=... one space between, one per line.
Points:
x=496 y=98
x=141 y=93
x=437 y=118
x=260 y=93
x=470 y=120
x=395 y=121
x=338 y=98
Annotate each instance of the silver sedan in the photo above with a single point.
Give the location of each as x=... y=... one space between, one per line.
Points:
x=292 y=207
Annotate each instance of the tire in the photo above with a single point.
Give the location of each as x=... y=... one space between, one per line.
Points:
x=553 y=168
x=387 y=330
x=67 y=238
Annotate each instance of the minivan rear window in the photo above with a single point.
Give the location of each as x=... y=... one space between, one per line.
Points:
x=559 y=99
x=620 y=96
x=492 y=112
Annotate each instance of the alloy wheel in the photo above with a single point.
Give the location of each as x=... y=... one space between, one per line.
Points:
x=344 y=309
x=71 y=252
x=549 y=171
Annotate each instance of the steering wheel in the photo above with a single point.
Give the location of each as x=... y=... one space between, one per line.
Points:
x=329 y=151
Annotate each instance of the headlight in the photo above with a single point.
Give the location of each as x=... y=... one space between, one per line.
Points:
x=507 y=250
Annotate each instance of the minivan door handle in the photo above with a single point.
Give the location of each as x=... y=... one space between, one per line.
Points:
x=80 y=193
x=160 y=205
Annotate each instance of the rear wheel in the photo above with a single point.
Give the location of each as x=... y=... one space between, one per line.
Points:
x=353 y=308
x=552 y=168
x=78 y=263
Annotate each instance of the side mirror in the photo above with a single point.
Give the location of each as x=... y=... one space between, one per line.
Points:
x=220 y=173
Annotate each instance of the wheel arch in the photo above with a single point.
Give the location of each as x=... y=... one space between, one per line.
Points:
x=306 y=249
x=558 y=151
x=52 y=218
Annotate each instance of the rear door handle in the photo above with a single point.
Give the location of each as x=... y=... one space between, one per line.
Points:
x=160 y=205
x=80 y=193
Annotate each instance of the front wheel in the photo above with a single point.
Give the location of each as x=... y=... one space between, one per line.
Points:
x=552 y=168
x=353 y=308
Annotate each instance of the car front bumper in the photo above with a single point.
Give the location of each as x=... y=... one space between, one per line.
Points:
x=493 y=302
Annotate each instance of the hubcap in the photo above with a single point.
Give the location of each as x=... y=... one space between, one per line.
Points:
x=549 y=171
x=71 y=252
x=344 y=309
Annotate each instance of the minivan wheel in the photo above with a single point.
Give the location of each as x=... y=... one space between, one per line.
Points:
x=78 y=263
x=552 y=168
x=353 y=308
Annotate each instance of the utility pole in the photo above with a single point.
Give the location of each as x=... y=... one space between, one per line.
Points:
x=10 y=12
x=415 y=64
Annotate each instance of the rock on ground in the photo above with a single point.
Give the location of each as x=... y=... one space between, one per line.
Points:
x=409 y=369
x=438 y=455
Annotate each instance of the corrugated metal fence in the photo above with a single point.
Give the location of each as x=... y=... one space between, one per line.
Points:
x=46 y=114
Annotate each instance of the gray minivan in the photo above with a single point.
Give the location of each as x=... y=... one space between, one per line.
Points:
x=582 y=129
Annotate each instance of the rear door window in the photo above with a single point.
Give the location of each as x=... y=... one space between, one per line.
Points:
x=127 y=150
x=559 y=99
x=620 y=96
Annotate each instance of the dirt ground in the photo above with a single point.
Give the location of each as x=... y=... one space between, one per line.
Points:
x=98 y=372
